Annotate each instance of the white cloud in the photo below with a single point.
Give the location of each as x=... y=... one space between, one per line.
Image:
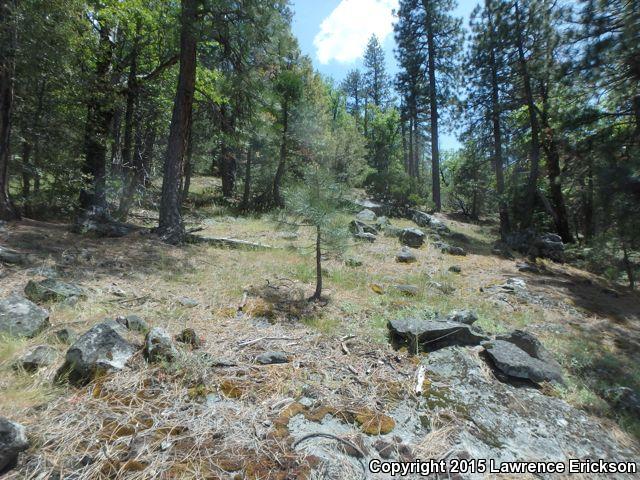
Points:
x=344 y=33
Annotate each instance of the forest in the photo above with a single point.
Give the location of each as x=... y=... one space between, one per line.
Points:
x=184 y=169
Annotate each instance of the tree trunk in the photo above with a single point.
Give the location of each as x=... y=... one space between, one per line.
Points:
x=100 y=114
x=534 y=168
x=171 y=227
x=277 y=181
x=26 y=170
x=188 y=169
x=628 y=265
x=246 y=196
x=8 y=40
x=318 y=293
x=433 y=106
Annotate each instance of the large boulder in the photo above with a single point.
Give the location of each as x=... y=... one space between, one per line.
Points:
x=52 y=290
x=515 y=362
x=98 y=351
x=425 y=220
x=13 y=440
x=412 y=237
x=22 y=318
x=38 y=357
x=548 y=246
x=366 y=215
x=158 y=346
x=430 y=335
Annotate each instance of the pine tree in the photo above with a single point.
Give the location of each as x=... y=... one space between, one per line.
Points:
x=378 y=84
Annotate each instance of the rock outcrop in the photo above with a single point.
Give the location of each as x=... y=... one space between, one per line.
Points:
x=20 y=317
x=429 y=335
x=52 y=290
x=412 y=237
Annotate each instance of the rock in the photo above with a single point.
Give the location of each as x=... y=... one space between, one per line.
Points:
x=98 y=221
x=503 y=422
x=462 y=316
x=158 y=346
x=624 y=398
x=515 y=362
x=548 y=246
x=412 y=237
x=408 y=290
x=357 y=226
x=270 y=358
x=370 y=205
x=188 y=302
x=21 y=318
x=98 y=351
x=452 y=250
x=49 y=272
x=353 y=262
x=530 y=344
x=406 y=256
x=189 y=336
x=366 y=215
x=52 y=290
x=135 y=324
x=13 y=257
x=38 y=357
x=65 y=335
x=392 y=231
x=431 y=334
x=458 y=237
x=527 y=267
x=423 y=219
x=455 y=269
x=367 y=237
x=13 y=440
x=382 y=222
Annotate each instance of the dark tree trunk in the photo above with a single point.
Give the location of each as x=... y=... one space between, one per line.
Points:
x=188 y=169
x=171 y=227
x=498 y=164
x=246 y=196
x=100 y=114
x=534 y=168
x=277 y=180
x=628 y=265
x=433 y=107
x=26 y=170
x=318 y=293
x=411 y=158
x=8 y=40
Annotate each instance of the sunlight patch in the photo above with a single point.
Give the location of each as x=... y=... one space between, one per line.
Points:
x=344 y=33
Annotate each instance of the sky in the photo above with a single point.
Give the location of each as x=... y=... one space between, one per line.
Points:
x=334 y=33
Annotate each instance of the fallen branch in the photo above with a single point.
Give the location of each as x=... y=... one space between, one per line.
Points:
x=420 y=376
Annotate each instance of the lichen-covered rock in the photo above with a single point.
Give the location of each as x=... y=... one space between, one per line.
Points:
x=453 y=250
x=366 y=215
x=98 y=351
x=52 y=290
x=158 y=346
x=133 y=323
x=270 y=358
x=38 y=357
x=462 y=316
x=367 y=237
x=412 y=237
x=20 y=317
x=65 y=335
x=431 y=335
x=356 y=226
x=13 y=440
x=406 y=256
x=515 y=362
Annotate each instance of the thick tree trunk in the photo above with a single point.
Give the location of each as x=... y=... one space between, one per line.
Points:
x=246 y=196
x=433 y=107
x=498 y=164
x=100 y=114
x=188 y=169
x=534 y=167
x=8 y=40
x=277 y=180
x=171 y=227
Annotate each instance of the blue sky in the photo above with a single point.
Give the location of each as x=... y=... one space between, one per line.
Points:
x=334 y=33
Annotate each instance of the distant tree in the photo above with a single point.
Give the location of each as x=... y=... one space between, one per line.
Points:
x=378 y=84
x=354 y=89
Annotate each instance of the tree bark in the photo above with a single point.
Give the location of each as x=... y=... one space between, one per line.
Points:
x=8 y=41
x=100 y=112
x=433 y=106
x=171 y=226
x=277 y=180
x=246 y=196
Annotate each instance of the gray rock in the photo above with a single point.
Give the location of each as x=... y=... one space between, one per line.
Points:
x=158 y=346
x=356 y=226
x=366 y=215
x=13 y=257
x=527 y=267
x=515 y=362
x=455 y=269
x=530 y=344
x=624 y=398
x=406 y=256
x=98 y=351
x=21 y=318
x=52 y=290
x=425 y=220
x=503 y=422
x=97 y=221
x=49 y=272
x=431 y=334
x=13 y=440
x=412 y=237
x=382 y=222
x=270 y=358
x=136 y=324
x=38 y=357
x=462 y=316
x=408 y=290
x=188 y=302
x=458 y=237
x=190 y=337
x=392 y=231
x=452 y=250
x=548 y=246
x=65 y=335
x=367 y=237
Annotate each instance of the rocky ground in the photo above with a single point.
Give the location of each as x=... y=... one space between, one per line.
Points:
x=449 y=347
